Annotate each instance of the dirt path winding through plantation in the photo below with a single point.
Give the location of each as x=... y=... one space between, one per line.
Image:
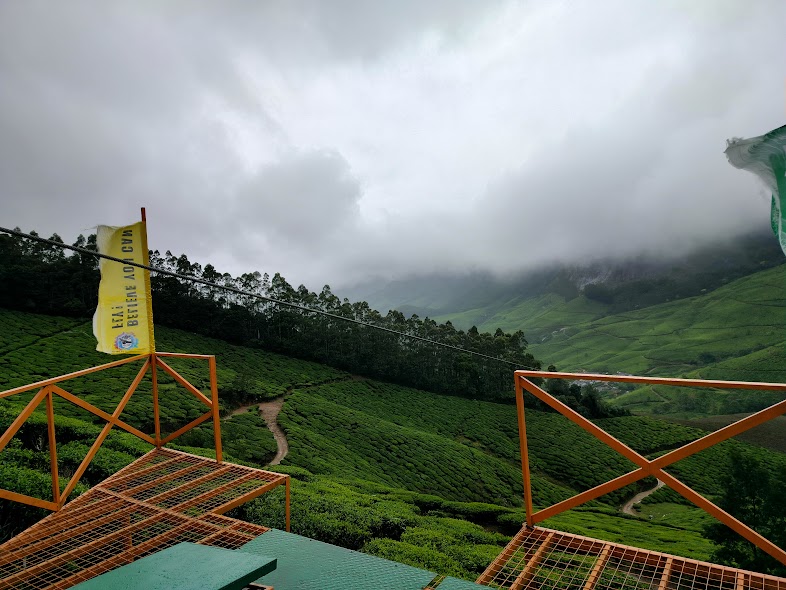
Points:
x=628 y=507
x=269 y=411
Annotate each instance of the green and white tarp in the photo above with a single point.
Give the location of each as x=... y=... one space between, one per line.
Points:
x=765 y=156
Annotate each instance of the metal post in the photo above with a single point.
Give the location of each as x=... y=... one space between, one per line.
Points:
x=50 y=423
x=214 y=401
x=156 y=413
x=524 y=451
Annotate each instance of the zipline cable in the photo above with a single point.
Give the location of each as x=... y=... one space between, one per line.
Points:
x=170 y=273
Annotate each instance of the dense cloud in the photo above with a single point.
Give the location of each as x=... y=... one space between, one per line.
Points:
x=336 y=141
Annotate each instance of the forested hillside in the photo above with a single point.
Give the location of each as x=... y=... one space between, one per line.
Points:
x=733 y=331
x=42 y=278
x=716 y=314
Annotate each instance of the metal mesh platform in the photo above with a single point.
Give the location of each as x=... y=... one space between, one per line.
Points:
x=161 y=499
x=546 y=559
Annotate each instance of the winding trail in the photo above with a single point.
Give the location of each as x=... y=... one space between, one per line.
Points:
x=269 y=411
x=628 y=507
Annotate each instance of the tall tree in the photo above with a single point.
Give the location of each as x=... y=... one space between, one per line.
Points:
x=754 y=494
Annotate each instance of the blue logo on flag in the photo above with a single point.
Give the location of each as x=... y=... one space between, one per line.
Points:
x=126 y=341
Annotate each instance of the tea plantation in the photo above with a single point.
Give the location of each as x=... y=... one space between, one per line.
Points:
x=430 y=480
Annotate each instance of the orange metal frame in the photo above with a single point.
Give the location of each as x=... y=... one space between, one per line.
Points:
x=48 y=388
x=543 y=558
x=163 y=498
x=645 y=466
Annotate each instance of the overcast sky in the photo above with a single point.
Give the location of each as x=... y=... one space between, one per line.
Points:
x=334 y=141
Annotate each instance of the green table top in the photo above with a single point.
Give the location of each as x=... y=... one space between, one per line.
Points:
x=456 y=584
x=306 y=564
x=184 y=567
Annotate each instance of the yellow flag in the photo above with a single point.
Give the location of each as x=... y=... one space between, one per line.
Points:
x=123 y=321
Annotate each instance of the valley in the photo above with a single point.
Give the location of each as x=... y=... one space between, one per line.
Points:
x=711 y=317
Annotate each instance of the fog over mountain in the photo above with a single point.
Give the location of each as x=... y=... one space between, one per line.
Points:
x=342 y=141
x=622 y=283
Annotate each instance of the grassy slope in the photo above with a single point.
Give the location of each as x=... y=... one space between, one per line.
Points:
x=34 y=347
x=468 y=449
x=744 y=317
x=43 y=346
x=742 y=326
x=395 y=431
x=379 y=467
x=537 y=316
x=769 y=435
x=737 y=332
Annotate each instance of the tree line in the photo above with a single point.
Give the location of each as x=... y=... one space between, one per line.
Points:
x=44 y=278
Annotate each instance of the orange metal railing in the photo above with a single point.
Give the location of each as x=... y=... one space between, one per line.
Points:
x=49 y=388
x=646 y=467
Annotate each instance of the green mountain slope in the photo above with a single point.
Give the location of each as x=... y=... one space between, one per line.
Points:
x=426 y=479
x=719 y=328
x=580 y=332
x=539 y=317
x=488 y=301
x=735 y=332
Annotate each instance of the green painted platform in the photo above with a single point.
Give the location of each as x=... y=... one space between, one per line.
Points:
x=186 y=566
x=305 y=564
x=456 y=584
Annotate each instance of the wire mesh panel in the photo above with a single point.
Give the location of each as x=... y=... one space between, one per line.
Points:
x=691 y=576
x=543 y=559
x=636 y=569
x=164 y=498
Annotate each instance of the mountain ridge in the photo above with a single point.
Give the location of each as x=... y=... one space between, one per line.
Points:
x=636 y=282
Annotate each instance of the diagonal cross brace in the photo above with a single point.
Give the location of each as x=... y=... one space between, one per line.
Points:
x=654 y=467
